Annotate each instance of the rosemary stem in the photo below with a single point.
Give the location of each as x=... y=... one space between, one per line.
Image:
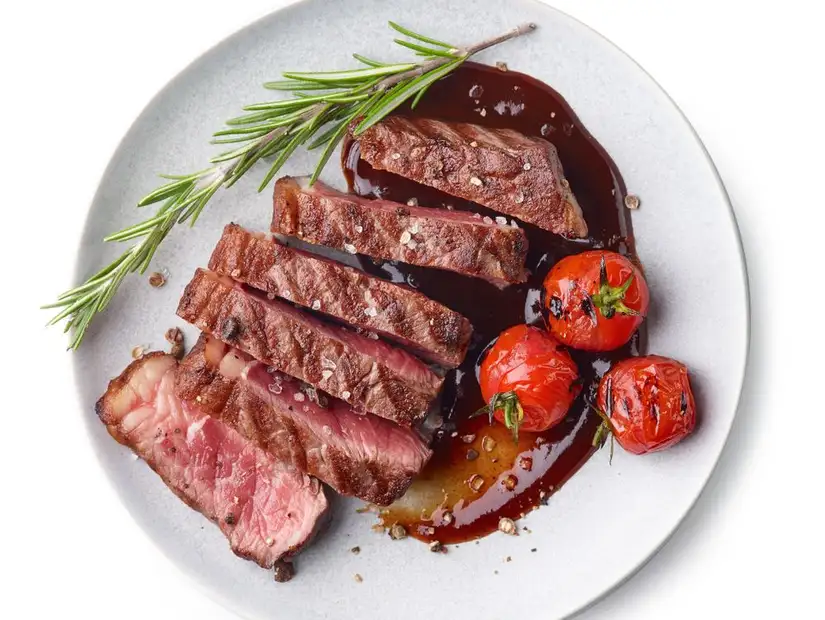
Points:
x=434 y=63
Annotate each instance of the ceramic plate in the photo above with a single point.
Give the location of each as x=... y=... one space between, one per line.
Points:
x=686 y=236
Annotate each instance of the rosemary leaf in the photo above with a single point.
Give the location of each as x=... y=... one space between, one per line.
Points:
x=368 y=61
x=420 y=37
x=348 y=76
x=406 y=90
x=424 y=51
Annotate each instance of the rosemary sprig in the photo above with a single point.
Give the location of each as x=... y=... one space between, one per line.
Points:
x=331 y=101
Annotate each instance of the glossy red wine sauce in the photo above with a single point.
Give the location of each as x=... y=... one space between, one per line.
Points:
x=441 y=504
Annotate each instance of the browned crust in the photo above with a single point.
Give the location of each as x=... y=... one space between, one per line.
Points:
x=442 y=239
x=518 y=175
x=348 y=294
x=291 y=342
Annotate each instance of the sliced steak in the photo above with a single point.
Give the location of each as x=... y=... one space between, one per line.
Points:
x=361 y=455
x=453 y=240
x=347 y=294
x=501 y=169
x=367 y=373
x=266 y=508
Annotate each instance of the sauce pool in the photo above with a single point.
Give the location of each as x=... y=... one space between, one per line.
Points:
x=478 y=474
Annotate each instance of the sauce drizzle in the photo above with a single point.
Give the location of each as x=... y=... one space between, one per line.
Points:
x=478 y=474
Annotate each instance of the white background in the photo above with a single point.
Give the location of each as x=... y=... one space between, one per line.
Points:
x=749 y=75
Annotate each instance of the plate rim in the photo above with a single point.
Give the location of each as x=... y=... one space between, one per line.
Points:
x=743 y=357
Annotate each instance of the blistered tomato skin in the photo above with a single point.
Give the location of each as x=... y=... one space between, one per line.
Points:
x=531 y=364
x=595 y=300
x=649 y=403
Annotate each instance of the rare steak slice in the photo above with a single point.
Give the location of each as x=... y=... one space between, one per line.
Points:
x=503 y=170
x=266 y=508
x=454 y=240
x=356 y=454
x=367 y=373
x=396 y=312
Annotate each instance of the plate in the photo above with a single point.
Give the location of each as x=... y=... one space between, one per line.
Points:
x=687 y=239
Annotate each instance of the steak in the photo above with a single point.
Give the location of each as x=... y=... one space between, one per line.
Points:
x=266 y=509
x=361 y=455
x=397 y=312
x=367 y=373
x=501 y=169
x=453 y=240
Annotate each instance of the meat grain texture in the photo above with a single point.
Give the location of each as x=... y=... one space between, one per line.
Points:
x=359 y=455
x=503 y=170
x=266 y=509
x=453 y=240
x=367 y=373
x=396 y=312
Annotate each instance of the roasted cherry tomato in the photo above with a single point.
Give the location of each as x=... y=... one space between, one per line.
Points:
x=528 y=379
x=647 y=403
x=596 y=300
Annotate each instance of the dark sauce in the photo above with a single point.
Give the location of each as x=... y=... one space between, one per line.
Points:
x=441 y=504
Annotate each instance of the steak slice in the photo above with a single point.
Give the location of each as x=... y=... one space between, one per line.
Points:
x=453 y=240
x=265 y=508
x=361 y=455
x=397 y=312
x=499 y=168
x=369 y=374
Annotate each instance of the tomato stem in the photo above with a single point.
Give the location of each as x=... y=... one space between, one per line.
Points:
x=605 y=429
x=610 y=299
x=510 y=407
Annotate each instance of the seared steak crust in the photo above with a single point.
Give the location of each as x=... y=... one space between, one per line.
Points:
x=369 y=374
x=453 y=240
x=499 y=168
x=266 y=509
x=350 y=295
x=361 y=455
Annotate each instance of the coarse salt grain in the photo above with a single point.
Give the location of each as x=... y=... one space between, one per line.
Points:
x=508 y=526
x=326 y=374
x=475 y=181
x=396 y=155
x=412 y=244
x=527 y=165
x=299 y=397
x=359 y=229
x=501 y=221
x=474 y=144
x=346 y=394
x=316 y=305
x=405 y=237
x=370 y=311
x=412 y=202
x=349 y=248
x=487 y=219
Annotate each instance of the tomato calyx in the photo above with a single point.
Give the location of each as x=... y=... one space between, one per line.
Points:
x=610 y=299
x=605 y=429
x=508 y=403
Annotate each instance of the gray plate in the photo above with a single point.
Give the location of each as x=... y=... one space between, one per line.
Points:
x=687 y=238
